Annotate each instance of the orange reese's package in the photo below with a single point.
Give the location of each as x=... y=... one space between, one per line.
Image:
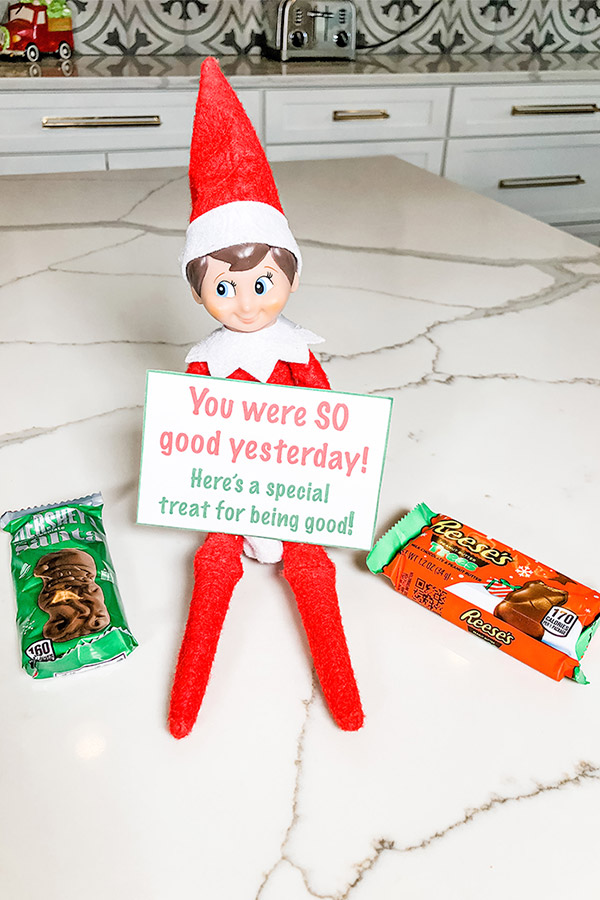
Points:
x=508 y=599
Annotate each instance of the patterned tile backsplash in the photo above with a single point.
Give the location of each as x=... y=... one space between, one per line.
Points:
x=234 y=27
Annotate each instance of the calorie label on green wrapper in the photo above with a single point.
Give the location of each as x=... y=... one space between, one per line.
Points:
x=69 y=611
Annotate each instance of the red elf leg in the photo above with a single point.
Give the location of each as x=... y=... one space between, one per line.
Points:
x=311 y=575
x=217 y=570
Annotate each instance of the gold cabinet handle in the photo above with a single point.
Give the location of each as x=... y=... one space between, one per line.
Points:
x=99 y=121
x=349 y=115
x=556 y=109
x=541 y=181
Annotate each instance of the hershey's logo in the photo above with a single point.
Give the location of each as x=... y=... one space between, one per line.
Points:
x=52 y=520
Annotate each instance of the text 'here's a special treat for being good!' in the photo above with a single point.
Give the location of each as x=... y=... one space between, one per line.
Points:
x=69 y=611
x=525 y=608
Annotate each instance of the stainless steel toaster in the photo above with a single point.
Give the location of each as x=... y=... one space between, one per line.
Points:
x=300 y=29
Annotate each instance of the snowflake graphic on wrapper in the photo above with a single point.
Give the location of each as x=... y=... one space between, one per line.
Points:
x=524 y=571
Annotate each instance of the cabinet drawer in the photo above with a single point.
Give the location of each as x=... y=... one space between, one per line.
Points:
x=482 y=163
x=168 y=157
x=27 y=164
x=538 y=109
x=425 y=154
x=364 y=114
x=22 y=120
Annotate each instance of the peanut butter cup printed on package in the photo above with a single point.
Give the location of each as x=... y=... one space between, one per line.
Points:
x=521 y=606
x=69 y=611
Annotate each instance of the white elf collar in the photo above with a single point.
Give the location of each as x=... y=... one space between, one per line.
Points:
x=256 y=352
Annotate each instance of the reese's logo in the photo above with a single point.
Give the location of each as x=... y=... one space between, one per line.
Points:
x=472 y=546
x=477 y=625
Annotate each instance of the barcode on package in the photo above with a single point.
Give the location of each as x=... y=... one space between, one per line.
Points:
x=428 y=595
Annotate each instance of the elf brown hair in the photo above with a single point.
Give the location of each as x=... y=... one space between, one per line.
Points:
x=240 y=258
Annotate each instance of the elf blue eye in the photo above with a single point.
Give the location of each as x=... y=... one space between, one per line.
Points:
x=225 y=289
x=263 y=284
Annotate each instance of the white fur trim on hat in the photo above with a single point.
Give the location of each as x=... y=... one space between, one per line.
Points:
x=240 y=222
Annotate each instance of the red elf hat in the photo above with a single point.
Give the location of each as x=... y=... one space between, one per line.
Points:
x=234 y=197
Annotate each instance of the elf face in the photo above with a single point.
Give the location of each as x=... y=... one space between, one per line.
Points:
x=245 y=300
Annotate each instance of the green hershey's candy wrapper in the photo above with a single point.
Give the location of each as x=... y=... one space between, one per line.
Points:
x=69 y=611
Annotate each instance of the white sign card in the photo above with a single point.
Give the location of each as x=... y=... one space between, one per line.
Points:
x=297 y=464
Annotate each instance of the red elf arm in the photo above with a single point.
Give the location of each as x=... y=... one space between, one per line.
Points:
x=197 y=368
x=310 y=374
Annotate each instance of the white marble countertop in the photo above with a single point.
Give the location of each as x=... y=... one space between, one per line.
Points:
x=474 y=775
x=384 y=70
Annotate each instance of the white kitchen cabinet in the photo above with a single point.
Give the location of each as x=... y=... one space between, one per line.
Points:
x=555 y=178
x=345 y=115
x=425 y=154
x=46 y=131
x=89 y=129
x=39 y=164
x=476 y=134
x=525 y=109
x=148 y=159
x=533 y=147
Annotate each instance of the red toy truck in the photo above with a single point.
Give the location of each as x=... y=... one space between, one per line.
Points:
x=31 y=29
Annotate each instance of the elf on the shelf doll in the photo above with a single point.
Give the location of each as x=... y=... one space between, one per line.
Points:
x=242 y=263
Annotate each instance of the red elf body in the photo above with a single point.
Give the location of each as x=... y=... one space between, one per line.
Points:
x=242 y=263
